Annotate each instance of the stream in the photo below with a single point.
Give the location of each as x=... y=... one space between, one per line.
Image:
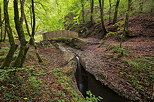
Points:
x=87 y=81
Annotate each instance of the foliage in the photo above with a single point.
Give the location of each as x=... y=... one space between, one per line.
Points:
x=3 y=50
x=59 y=14
x=19 y=84
x=67 y=84
x=140 y=72
x=118 y=51
x=72 y=42
x=92 y=98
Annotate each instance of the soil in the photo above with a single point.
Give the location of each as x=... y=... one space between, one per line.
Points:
x=141 y=24
x=106 y=67
x=97 y=60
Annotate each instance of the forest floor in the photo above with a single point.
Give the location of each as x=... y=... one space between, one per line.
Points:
x=128 y=68
x=130 y=73
x=48 y=81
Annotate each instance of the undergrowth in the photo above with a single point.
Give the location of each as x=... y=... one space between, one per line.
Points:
x=19 y=84
x=117 y=51
x=67 y=85
x=141 y=73
x=72 y=42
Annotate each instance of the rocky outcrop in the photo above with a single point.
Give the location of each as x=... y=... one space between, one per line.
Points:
x=105 y=69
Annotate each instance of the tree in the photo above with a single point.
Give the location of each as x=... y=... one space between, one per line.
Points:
x=92 y=10
x=13 y=47
x=116 y=12
x=110 y=11
x=1 y=35
x=18 y=25
x=33 y=32
x=126 y=32
x=101 y=5
x=83 y=13
x=141 y=5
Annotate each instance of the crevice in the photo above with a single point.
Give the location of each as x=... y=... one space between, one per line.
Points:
x=87 y=82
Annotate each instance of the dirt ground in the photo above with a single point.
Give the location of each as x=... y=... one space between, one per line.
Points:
x=100 y=60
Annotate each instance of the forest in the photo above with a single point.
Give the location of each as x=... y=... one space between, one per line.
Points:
x=76 y=50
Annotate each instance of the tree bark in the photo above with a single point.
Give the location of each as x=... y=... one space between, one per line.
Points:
x=22 y=2
x=33 y=32
x=1 y=35
x=19 y=60
x=13 y=47
x=126 y=31
x=27 y=27
x=141 y=6
x=101 y=5
x=92 y=11
x=110 y=11
x=116 y=12
x=82 y=4
x=4 y=33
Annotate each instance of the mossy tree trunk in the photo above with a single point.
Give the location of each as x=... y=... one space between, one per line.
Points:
x=110 y=11
x=141 y=5
x=33 y=32
x=23 y=49
x=83 y=13
x=13 y=46
x=1 y=34
x=101 y=5
x=116 y=12
x=4 y=38
x=1 y=24
x=92 y=11
x=126 y=23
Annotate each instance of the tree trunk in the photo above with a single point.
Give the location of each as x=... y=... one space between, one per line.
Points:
x=116 y=12
x=33 y=32
x=126 y=32
x=1 y=35
x=101 y=4
x=92 y=11
x=110 y=11
x=27 y=27
x=13 y=47
x=141 y=6
x=19 y=60
x=4 y=33
x=82 y=4
x=22 y=2
x=1 y=24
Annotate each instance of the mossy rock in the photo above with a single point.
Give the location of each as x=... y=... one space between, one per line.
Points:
x=68 y=41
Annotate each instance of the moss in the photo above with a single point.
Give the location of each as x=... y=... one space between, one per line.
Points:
x=72 y=42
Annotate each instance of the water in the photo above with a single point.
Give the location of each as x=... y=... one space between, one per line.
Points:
x=87 y=81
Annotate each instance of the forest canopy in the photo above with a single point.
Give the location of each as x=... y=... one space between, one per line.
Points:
x=63 y=14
